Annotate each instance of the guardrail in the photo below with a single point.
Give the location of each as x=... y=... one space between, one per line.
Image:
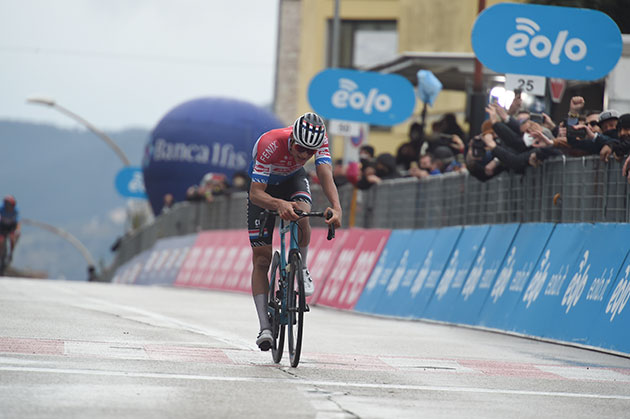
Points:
x=563 y=190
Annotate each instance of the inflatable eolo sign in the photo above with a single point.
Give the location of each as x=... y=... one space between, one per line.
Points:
x=362 y=96
x=550 y=41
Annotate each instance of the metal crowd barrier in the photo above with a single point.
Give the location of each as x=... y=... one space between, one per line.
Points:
x=562 y=190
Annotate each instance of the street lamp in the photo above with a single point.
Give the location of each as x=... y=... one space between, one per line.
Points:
x=105 y=137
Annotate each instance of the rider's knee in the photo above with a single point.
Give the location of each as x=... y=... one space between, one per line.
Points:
x=262 y=261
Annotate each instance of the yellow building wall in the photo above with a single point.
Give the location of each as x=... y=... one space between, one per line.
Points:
x=423 y=26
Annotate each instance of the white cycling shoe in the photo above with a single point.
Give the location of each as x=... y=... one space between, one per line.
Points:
x=265 y=339
x=309 y=287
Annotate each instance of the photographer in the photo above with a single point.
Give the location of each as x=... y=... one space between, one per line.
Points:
x=600 y=140
x=542 y=148
x=480 y=162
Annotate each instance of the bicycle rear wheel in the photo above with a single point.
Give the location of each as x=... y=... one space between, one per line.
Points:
x=275 y=309
x=297 y=306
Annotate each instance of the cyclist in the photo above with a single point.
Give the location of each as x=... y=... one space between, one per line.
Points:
x=9 y=223
x=279 y=183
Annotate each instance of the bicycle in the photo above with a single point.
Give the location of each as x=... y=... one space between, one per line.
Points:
x=286 y=299
x=5 y=254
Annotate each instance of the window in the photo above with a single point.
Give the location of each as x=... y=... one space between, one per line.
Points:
x=363 y=43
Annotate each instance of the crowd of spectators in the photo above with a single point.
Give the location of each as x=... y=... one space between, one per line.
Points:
x=511 y=140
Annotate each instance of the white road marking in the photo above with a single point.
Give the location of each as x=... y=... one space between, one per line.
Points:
x=314 y=383
x=584 y=373
x=157 y=319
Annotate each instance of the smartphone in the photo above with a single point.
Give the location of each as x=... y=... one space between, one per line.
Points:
x=536 y=117
x=517 y=93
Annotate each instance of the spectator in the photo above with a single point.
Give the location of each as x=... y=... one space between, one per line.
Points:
x=193 y=194
x=366 y=152
x=168 y=203
x=212 y=184
x=386 y=166
x=240 y=183
x=368 y=176
x=449 y=125
x=339 y=173
x=480 y=163
x=405 y=155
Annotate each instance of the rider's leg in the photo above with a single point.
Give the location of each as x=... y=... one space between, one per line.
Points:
x=260 y=286
x=304 y=232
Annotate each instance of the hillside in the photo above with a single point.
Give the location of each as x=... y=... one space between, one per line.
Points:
x=65 y=177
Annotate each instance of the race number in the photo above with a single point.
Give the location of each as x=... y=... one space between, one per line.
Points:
x=532 y=85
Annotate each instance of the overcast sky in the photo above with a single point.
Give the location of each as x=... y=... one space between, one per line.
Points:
x=126 y=63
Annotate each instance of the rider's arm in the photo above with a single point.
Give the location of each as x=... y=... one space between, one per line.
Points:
x=325 y=175
x=261 y=198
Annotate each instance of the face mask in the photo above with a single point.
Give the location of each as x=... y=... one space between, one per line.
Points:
x=528 y=139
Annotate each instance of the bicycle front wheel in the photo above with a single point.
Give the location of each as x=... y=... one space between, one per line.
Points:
x=297 y=306
x=275 y=308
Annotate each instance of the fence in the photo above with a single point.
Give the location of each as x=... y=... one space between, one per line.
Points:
x=563 y=190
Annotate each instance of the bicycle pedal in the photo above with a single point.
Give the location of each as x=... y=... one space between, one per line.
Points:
x=307 y=308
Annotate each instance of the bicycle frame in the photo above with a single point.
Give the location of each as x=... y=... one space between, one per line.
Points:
x=291 y=228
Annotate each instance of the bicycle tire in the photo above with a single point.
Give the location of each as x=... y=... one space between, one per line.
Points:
x=274 y=301
x=297 y=306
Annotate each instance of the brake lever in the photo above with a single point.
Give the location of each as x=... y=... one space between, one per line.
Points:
x=331 y=227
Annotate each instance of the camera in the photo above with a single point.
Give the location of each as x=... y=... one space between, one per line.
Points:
x=517 y=93
x=578 y=134
x=536 y=117
x=478 y=147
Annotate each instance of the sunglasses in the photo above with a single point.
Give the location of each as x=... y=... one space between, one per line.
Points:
x=301 y=149
x=593 y=123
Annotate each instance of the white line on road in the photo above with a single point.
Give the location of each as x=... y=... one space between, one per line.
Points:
x=301 y=382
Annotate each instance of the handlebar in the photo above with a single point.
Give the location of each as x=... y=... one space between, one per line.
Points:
x=264 y=216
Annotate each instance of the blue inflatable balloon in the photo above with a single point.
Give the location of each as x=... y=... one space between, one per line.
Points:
x=201 y=136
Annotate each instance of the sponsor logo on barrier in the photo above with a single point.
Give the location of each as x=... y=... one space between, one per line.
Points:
x=378 y=272
x=394 y=282
x=359 y=274
x=555 y=282
x=538 y=280
x=576 y=286
x=339 y=273
x=599 y=286
x=619 y=297
x=475 y=274
x=422 y=274
x=520 y=277
x=448 y=276
x=504 y=276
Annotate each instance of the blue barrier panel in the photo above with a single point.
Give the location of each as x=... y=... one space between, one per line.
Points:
x=610 y=328
x=443 y=303
x=164 y=260
x=397 y=293
x=583 y=291
x=129 y=271
x=483 y=272
x=535 y=311
x=513 y=275
x=390 y=259
x=427 y=278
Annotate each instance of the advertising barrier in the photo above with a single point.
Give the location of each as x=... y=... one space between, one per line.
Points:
x=566 y=282
x=482 y=274
x=357 y=256
x=513 y=275
x=443 y=303
x=164 y=260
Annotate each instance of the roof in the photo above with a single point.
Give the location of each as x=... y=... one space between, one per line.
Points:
x=455 y=70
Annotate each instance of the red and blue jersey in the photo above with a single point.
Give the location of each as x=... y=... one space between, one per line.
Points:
x=273 y=164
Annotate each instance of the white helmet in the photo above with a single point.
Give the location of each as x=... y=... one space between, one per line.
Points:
x=309 y=131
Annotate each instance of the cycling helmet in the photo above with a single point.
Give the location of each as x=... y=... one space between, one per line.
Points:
x=309 y=131
x=10 y=199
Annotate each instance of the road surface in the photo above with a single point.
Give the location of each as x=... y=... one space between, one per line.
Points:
x=77 y=350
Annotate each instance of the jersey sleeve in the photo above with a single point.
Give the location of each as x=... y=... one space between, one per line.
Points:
x=264 y=155
x=322 y=156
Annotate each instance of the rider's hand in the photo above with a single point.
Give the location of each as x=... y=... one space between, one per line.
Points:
x=336 y=218
x=286 y=210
